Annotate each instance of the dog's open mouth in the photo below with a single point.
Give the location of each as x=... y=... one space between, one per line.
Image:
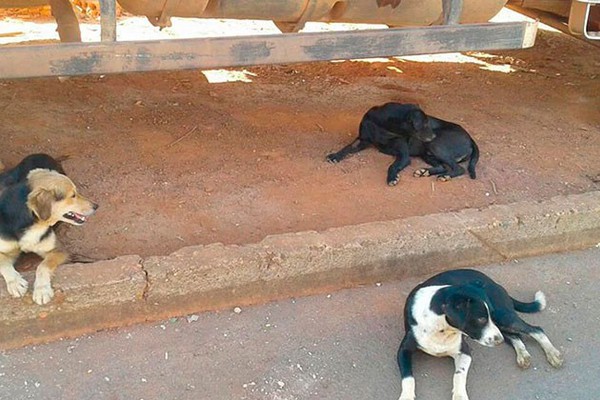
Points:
x=75 y=217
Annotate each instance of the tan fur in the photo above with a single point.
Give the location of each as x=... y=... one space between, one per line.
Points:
x=52 y=196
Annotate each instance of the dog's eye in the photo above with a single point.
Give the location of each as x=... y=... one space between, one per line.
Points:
x=482 y=320
x=74 y=195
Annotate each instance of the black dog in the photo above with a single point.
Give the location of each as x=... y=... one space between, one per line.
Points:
x=404 y=130
x=34 y=161
x=441 y=311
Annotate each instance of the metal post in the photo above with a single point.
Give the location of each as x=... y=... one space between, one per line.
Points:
x=68 y=25
x=108 y=20
x=452 y=11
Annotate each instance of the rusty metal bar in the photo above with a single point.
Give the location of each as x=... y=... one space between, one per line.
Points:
x=207 y=53
x=452 y=10
x=108 y=20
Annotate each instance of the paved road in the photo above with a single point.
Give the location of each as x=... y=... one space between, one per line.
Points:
x=338 y=346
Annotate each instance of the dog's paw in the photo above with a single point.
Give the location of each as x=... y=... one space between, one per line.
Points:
x=17 y=287
x=460 y=396
x=554 y=358
x=444 y=178
x=333 y=158
x=394 y=181
x=43 y=294
x=421 y=172
x=524 y=361
x=406 y=397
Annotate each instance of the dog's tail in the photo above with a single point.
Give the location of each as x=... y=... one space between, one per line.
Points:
x=473 y=160
x=535 y=306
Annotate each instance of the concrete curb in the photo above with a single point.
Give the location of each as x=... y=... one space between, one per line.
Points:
x=128 y=289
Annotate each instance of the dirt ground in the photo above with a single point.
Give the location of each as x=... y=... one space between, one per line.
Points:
x=175 y=160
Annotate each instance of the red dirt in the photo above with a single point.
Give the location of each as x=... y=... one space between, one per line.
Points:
x=176 y=161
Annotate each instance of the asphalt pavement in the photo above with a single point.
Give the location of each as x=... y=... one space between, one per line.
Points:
x=329 y=347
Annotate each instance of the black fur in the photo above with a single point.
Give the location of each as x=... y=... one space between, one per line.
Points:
x=15 y=216
x=476 y=284
x=464 y=307
x=468 y=289
x=404 y=130
x=528 y=308
x=29 y=163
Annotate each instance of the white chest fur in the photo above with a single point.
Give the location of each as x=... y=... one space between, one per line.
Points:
x=7 y=246
x=432 y=333
x=31 y=240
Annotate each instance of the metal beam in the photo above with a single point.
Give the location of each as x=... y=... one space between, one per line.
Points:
x=552 y=20
x=206 y=53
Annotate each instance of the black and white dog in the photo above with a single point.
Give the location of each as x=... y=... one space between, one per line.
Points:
x=441 y=311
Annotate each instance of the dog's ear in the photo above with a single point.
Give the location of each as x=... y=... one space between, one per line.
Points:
x=462 y=303
x=417 y=119
x=40 y=202
x=456 y=303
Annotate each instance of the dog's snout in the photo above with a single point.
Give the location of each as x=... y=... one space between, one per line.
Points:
x=492 y=336
x=495 y=340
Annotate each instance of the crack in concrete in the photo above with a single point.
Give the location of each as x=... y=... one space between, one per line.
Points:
x=146 y=280
x=557 y=222
x=489 y=245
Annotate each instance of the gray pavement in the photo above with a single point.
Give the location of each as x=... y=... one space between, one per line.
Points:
x=337 y=346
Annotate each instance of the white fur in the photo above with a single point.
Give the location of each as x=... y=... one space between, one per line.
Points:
x=490 y=333
x=523 y=356
x=436 y=337
x=8 y=246
x=540 y=298
x=408 y=389
x=552 y=354
x=433 y=334
x=462 y=362
x=30 y=241
x=42 y=289
x=15 y=284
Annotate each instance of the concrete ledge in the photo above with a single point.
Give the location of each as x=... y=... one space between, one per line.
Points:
x=88 y=297
x=128 y=289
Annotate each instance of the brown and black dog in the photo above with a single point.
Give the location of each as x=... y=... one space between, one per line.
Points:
x=35 y=196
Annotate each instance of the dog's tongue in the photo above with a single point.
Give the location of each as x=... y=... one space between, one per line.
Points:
x=76 y=217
